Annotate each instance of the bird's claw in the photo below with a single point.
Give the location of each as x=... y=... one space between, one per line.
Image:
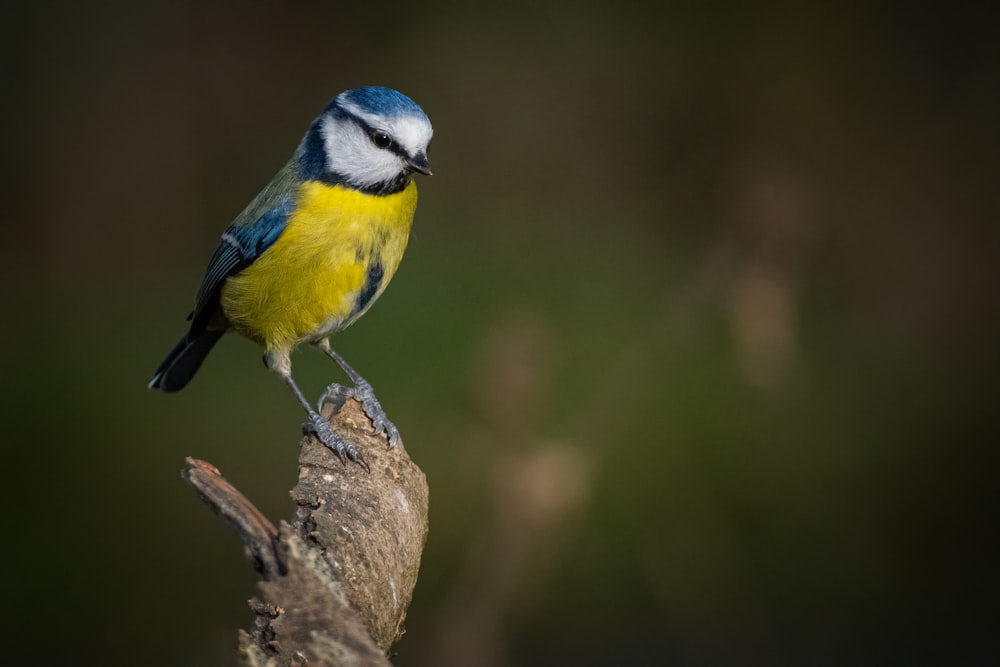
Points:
x=343 y=449
x=364 y=394
x=335 y=394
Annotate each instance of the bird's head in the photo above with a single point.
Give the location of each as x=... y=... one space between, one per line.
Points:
x=371 y=139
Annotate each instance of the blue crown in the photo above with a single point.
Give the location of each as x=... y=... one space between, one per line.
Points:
x=383 y=101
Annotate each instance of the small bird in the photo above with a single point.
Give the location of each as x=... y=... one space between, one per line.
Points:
x=314 y=250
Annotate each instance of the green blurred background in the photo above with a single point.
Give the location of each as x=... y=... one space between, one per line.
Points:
x=695 y=338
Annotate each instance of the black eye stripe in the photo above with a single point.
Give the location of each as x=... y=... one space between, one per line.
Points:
x=378 y=138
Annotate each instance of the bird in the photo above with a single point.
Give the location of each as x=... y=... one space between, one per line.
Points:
x=311 y=253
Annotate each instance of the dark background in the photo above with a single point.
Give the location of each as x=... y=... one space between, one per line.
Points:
x=695 y=338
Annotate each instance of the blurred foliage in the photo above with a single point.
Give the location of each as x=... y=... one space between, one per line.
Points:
x=695 y=339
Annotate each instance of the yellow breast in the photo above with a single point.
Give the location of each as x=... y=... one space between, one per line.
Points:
x=336 y=255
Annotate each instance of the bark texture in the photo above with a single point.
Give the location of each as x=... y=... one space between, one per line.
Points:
x=338 y=577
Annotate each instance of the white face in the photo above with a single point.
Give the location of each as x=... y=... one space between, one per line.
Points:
x=351 y=152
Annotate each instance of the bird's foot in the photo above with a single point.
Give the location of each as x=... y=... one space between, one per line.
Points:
x=343 y=449
x=364 y=394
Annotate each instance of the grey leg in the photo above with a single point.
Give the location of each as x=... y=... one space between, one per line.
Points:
x=363 y=392
x=321 y=427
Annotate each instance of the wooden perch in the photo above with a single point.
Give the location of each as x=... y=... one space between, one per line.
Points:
x=337 y=579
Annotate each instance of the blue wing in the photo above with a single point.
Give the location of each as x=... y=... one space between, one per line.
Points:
x=247 y=238
x=251 y=234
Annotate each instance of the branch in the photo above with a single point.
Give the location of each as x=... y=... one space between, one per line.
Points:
x=338 y=578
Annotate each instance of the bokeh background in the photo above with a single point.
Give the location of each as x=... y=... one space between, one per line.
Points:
x=695 y=338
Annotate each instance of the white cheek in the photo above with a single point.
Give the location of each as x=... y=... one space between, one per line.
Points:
x=350 y=153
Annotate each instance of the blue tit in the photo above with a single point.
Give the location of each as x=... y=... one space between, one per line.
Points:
x=314 y=250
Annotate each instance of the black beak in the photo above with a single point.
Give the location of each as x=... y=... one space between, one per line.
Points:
x=419 y=164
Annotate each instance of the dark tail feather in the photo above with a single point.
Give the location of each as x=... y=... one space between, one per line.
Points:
x=184 y=361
